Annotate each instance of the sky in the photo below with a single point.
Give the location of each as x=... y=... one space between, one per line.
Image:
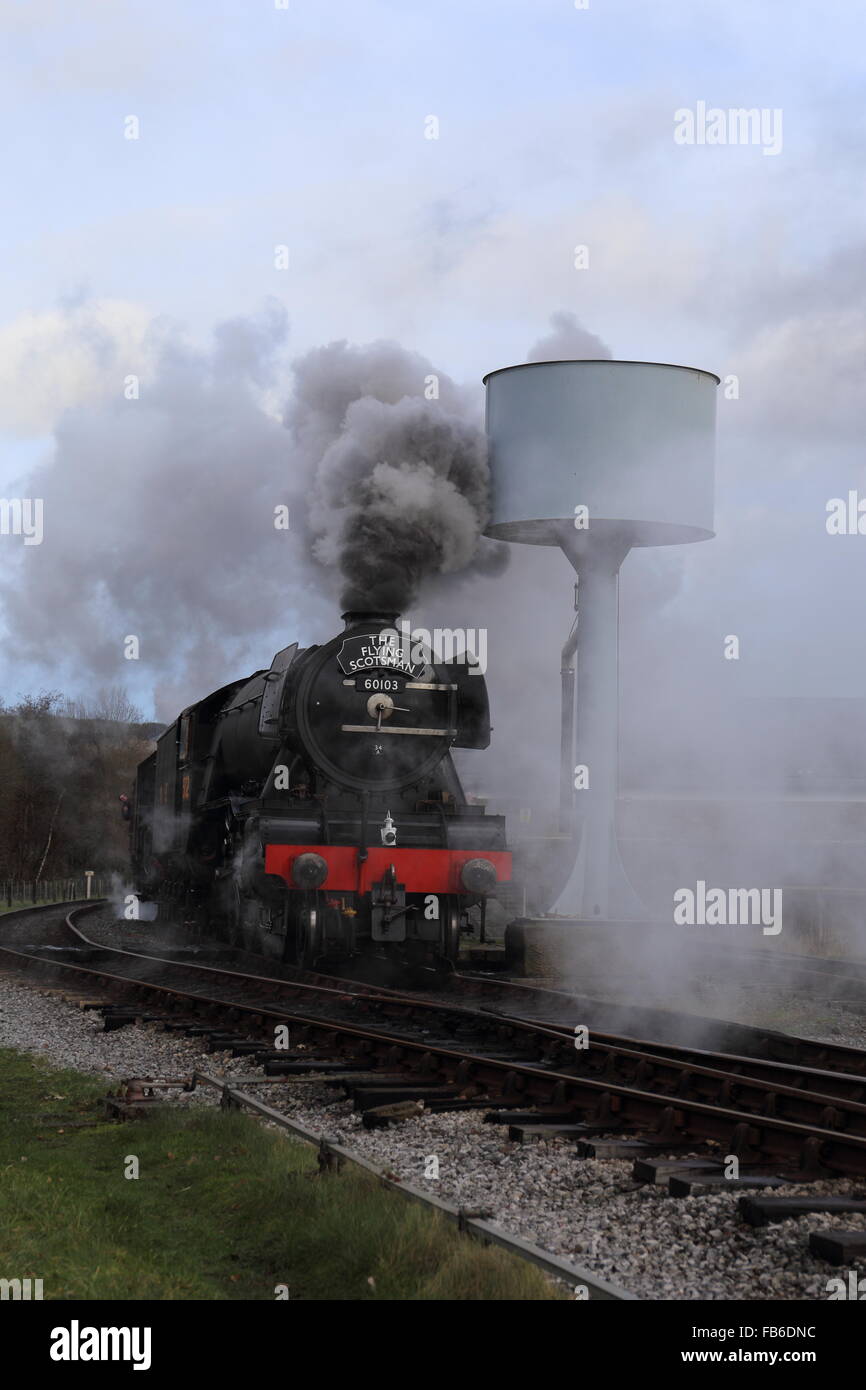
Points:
x=306 y=127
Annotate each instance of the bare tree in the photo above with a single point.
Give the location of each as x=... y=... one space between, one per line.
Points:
x=50 y=837
x=111 y=703
x=60 y=778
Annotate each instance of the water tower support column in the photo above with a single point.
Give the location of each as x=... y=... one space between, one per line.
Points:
x=598 y=887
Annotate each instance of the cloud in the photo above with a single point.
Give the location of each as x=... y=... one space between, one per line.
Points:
x=71 y=356
x=802 y=377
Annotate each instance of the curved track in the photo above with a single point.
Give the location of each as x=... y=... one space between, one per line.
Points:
x=811 y=1120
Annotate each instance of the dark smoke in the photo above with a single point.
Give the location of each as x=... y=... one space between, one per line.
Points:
x=400 y=483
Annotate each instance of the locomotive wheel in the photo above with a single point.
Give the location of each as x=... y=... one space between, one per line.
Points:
x=451 y=932
x=308 y=936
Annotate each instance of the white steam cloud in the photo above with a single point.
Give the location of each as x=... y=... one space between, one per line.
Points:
x=569 y=341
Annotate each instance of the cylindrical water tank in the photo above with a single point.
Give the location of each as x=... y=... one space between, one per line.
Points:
x=633 y=442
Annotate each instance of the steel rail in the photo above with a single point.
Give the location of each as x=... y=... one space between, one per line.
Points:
x=473 y=1225
x=607 y=1103
x=835 y=1101
x=822 y=1057
x=733 y=1037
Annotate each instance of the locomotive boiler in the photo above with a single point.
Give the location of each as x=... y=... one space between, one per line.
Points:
x=313 y=812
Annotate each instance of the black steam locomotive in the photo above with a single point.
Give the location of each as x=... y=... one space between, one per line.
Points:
x=313 y=812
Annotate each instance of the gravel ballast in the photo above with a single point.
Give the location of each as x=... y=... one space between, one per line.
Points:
x=588 y=1211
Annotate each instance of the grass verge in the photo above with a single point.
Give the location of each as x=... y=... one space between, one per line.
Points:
x=222 y=1209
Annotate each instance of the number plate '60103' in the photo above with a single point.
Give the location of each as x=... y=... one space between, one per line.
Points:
x=370 y=684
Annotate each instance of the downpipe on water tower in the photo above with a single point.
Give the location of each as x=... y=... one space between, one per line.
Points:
x=566 y=740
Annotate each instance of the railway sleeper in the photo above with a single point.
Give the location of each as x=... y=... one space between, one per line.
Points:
x=710 y=1184
x=371 y=1097
x=276 y=1065
x=172 y=1024
x=659 y=1170
x=516 y=1116
x=238 y=1046
x=615 y=1148
x=839 y=1247
x=761 y=1211
x=206 y=1030
x=381 y=1116
x=527 y=1134
x=463 y=1103
x=112 y=1021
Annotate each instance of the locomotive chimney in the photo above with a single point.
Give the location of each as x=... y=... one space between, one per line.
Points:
x=354 y=617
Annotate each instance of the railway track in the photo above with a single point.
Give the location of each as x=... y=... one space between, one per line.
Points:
x=544 y=1005
x=386 y=1047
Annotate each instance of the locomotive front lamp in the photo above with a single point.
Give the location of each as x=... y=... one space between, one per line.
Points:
x=309 y=871
x=478 y=876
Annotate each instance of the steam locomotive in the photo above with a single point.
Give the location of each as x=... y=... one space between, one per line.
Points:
x=312 y=812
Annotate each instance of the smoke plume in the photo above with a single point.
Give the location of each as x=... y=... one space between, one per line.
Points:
x=160 y=510
x=399 y=482
x=568 y=342
x=159 y=525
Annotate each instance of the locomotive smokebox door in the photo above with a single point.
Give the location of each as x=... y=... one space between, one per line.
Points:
x=388 y=908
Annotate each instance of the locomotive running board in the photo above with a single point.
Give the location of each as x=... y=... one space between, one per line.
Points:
x=371 y=729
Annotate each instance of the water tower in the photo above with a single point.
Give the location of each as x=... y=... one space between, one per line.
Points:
x=596 y=457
